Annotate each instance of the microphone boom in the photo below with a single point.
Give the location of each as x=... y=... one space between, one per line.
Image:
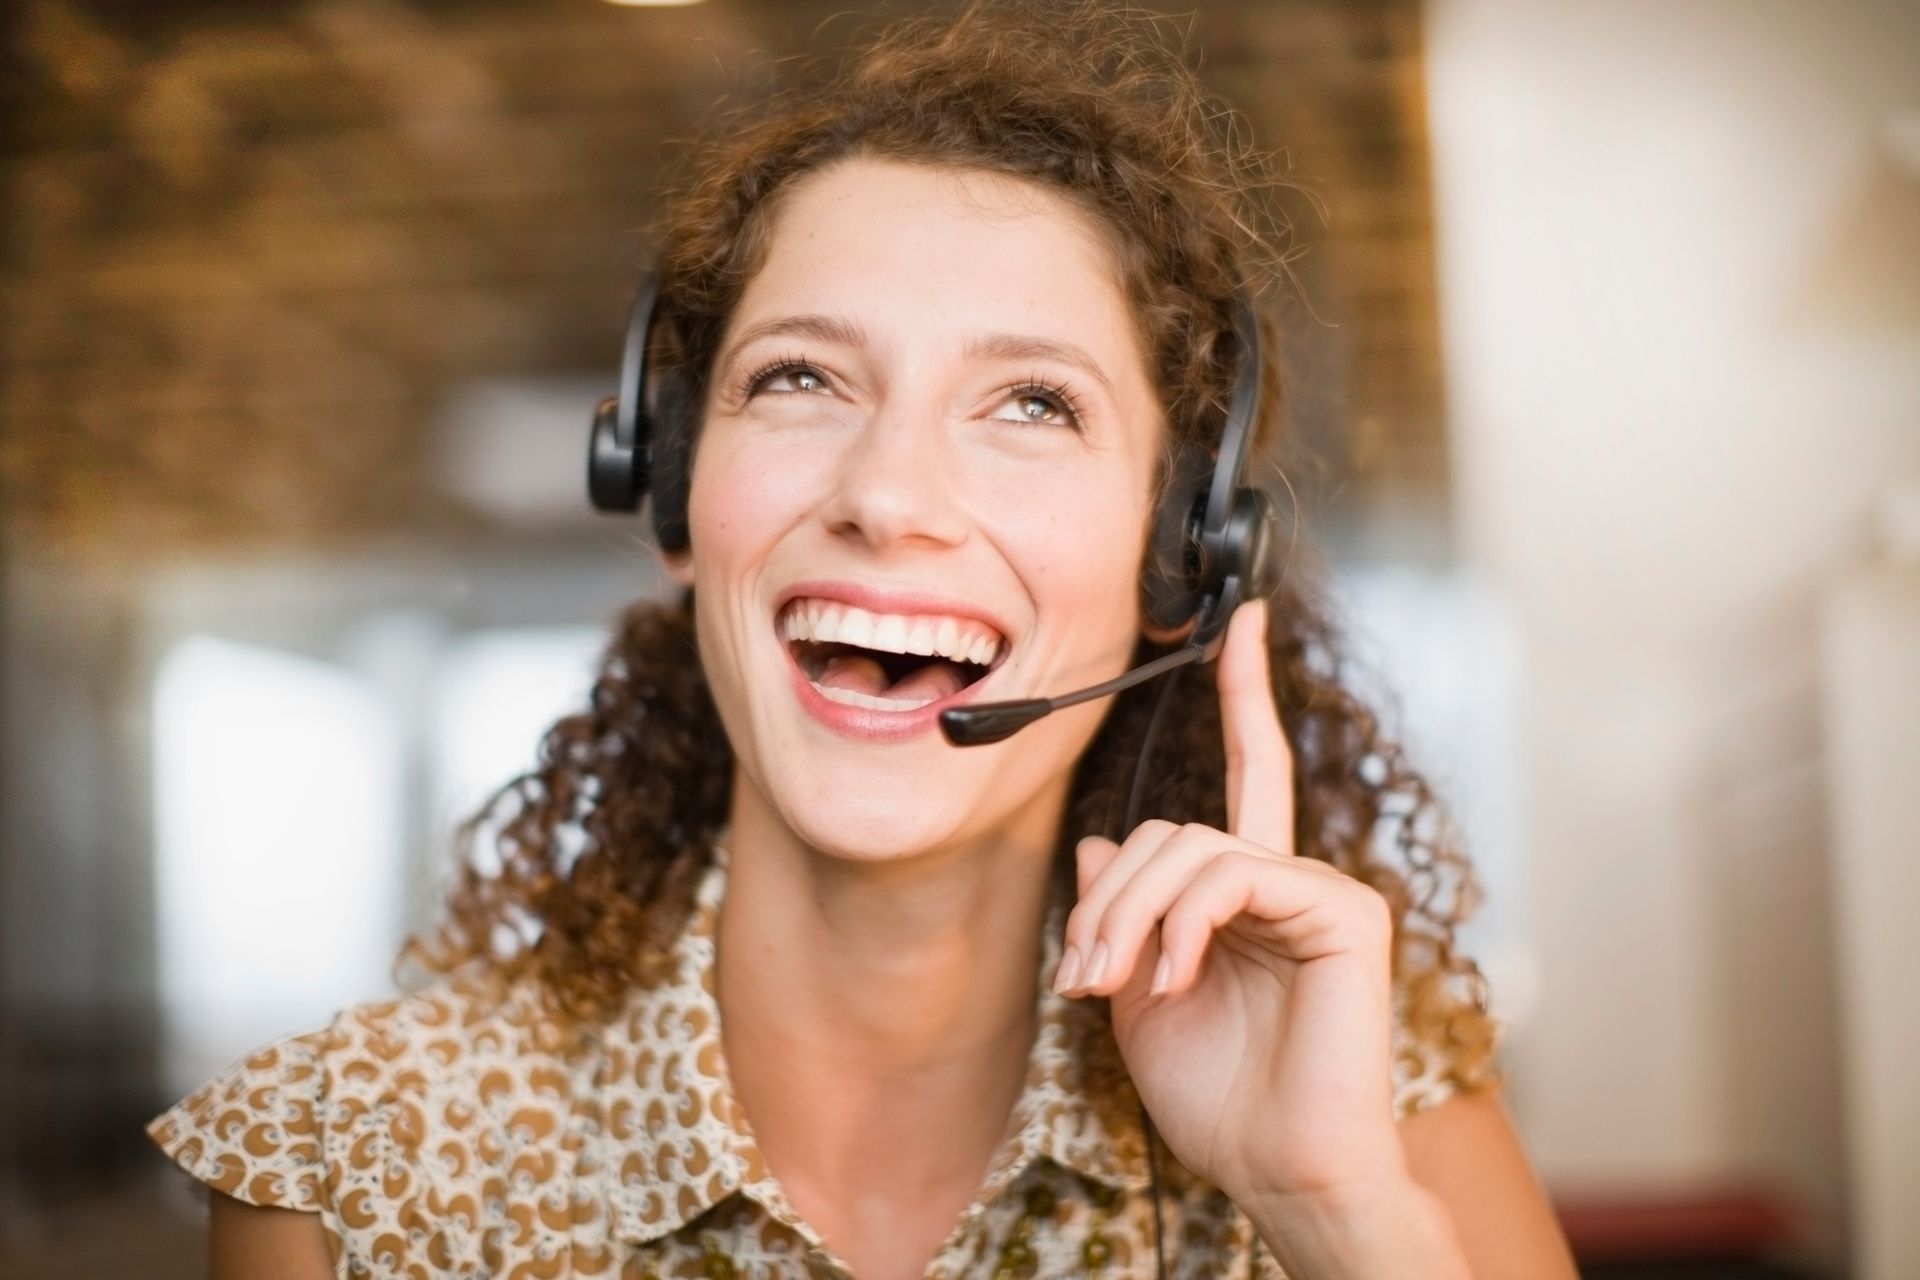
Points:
x=994 y=721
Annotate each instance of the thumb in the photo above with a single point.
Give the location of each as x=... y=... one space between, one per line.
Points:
x=1091 y=857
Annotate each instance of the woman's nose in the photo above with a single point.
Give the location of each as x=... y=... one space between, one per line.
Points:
x=897 y=484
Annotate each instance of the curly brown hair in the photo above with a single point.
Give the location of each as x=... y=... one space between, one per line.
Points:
x=594 y=851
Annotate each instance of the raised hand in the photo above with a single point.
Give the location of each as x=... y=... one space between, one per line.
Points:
x=1251 y=987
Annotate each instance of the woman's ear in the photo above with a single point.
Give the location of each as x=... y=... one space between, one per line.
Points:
x=679 y=565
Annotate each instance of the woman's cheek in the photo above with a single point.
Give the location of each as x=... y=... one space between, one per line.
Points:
x=1082 y=557
x=741 y=501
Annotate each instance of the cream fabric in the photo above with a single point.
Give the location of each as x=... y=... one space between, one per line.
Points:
x=447 y=1134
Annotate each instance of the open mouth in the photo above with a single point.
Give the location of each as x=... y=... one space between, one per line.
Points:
x=885 y=661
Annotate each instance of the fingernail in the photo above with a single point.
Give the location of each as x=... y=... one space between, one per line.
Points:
x=1069 y=969
x=1162 y=975
x=1097 y=967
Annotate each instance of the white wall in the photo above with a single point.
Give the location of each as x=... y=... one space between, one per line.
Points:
x=1871 y=669
x=1682 y=359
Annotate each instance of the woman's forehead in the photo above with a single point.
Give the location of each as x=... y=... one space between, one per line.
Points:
x=880 y=239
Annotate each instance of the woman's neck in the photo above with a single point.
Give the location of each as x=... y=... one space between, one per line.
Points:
x=878 y=1015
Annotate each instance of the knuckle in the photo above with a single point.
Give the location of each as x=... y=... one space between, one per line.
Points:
x=1156 y=829
x=1221 y=864
x=1196 y=832
x=1374 y=907
x=1081 y=928
x=1177 y=926
x=1120 y=917
x=1071 y=930
x=1112 y=930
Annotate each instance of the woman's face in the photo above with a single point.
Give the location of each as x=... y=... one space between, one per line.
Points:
x=929 y=428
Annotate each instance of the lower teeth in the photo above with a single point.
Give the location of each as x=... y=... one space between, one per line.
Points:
x=852 y=699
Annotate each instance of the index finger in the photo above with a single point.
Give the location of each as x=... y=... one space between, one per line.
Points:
x=1259 y=759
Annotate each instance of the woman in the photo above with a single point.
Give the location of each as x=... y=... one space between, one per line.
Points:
x=944 y=318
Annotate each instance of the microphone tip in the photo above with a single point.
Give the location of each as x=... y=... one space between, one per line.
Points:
x=991 y=721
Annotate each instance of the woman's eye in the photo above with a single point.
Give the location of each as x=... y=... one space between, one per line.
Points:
x=1041 y=407
x=1038 y=409
x=792 y=378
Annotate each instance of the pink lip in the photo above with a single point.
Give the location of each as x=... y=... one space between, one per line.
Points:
x=862 y=722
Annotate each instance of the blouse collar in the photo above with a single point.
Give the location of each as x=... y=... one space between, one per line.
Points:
x=665 y=1077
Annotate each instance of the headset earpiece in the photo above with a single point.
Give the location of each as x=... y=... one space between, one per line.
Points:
x=1250 y=540
x=1212 y=540
x=616 y=469
x=641 y=435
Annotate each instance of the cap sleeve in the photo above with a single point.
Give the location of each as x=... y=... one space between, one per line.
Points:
x=254 y=1131
x=1442 y=1045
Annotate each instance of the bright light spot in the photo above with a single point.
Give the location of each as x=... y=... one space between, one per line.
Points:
x=1436 y=655
x=496 y=695
x=277 y=788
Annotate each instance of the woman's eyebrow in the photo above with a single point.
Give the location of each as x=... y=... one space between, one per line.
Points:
x=820 y=328
x=992 y=346
x=1017 y=346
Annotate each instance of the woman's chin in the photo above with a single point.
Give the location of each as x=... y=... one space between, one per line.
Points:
x=879 y=824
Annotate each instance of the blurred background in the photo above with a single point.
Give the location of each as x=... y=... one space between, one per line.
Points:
x=1609 y=340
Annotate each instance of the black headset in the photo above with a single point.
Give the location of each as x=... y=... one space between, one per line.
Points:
x=1212 y=541
x=643 y=434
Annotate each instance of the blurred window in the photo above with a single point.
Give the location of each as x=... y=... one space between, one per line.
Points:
x=284 y=823
x=277 y=841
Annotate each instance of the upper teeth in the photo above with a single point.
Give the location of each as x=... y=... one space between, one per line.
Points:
x=962 y=639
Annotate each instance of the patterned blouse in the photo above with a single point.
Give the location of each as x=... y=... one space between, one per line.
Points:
x=447 y=1134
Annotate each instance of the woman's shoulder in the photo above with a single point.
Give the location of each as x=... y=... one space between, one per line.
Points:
x=452 y=1026
x=293 y=1123
x=1443 y=1043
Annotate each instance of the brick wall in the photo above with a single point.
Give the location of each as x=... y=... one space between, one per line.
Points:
x=251 y=247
